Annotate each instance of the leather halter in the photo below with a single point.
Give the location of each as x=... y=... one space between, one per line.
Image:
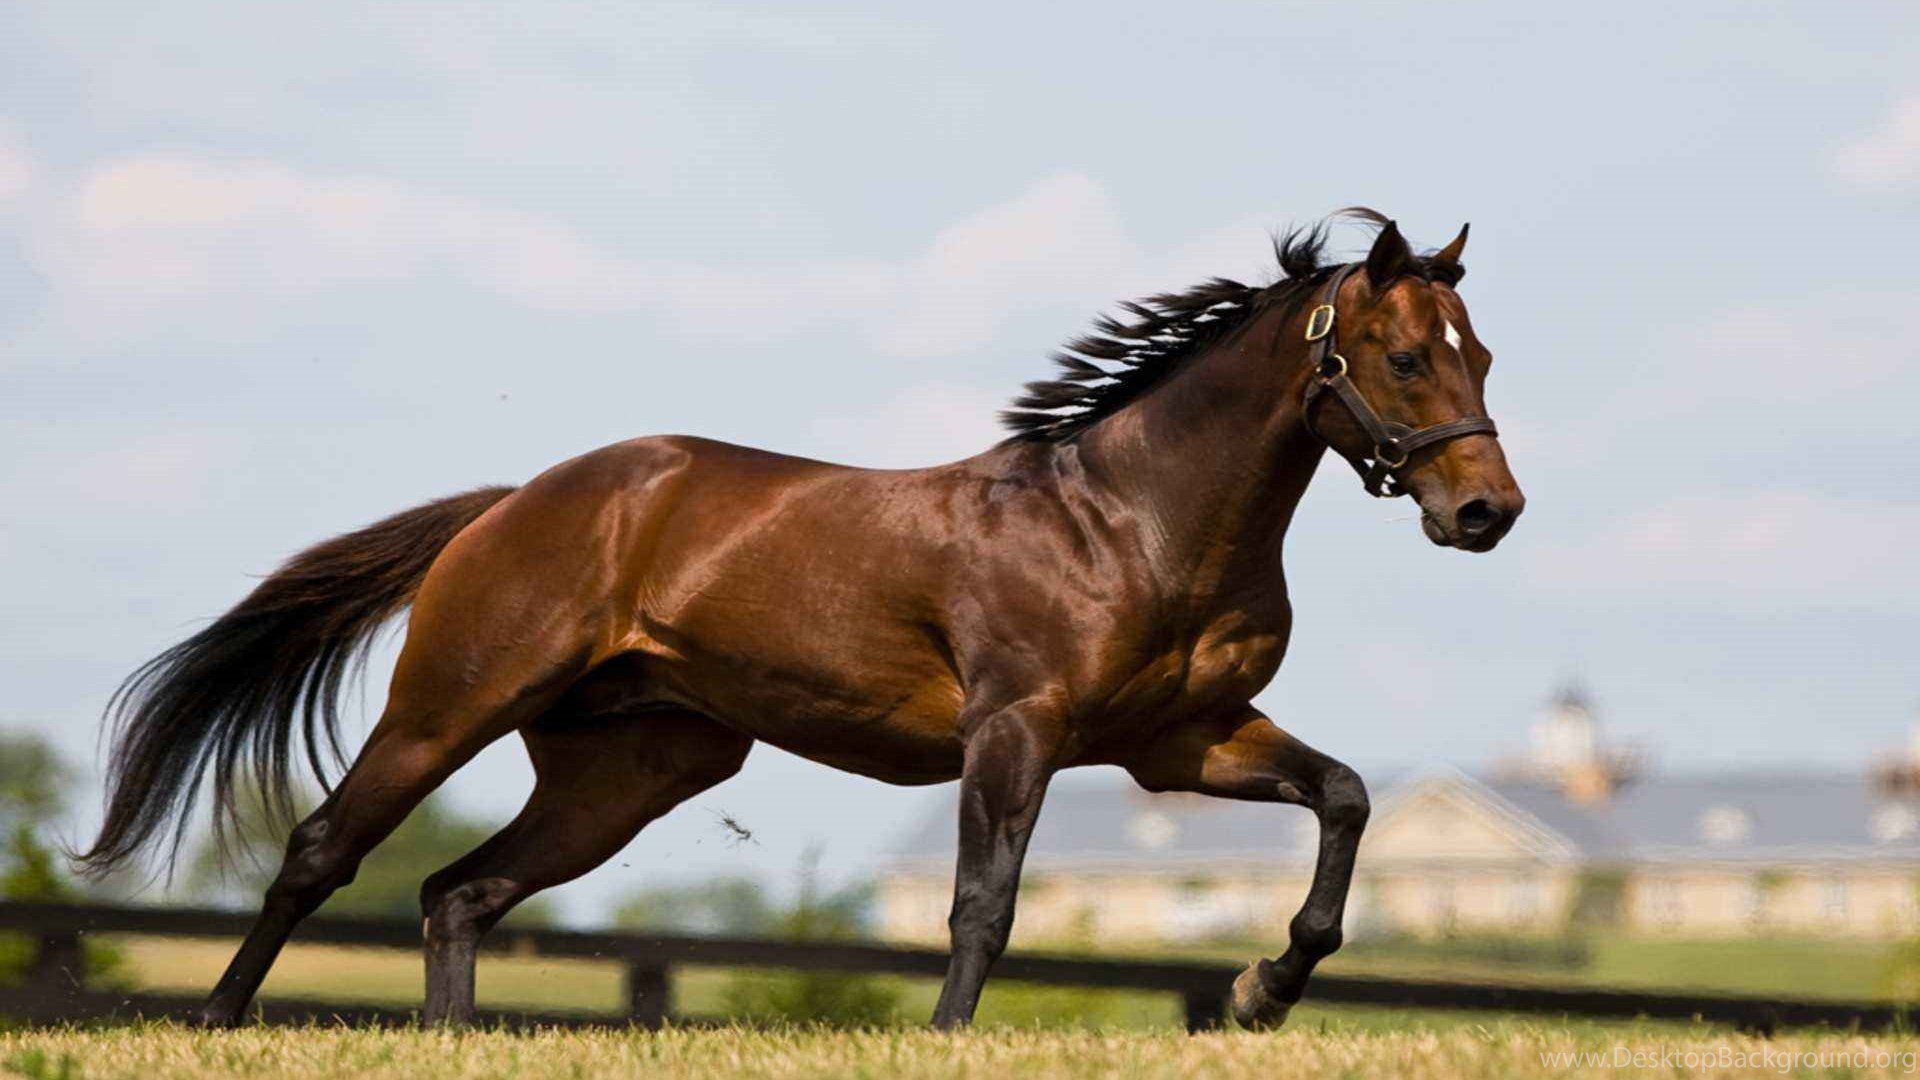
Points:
x=1393 y=443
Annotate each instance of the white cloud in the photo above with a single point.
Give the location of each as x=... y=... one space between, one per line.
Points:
x=167 y=470
x=192 y=245
x=1059 y=240
x=1760 y=548
x=1241 y=250
x=1887 y=158
x=158 y=242
x=1836 y=362
x=924 y=424
x=1824 y=371
x=16 y=165
x=1838 y=343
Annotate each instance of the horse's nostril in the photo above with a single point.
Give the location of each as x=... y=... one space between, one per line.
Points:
x=1476 y=517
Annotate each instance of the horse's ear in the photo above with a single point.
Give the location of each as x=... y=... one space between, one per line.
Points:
x=1390 y=257
x=1448 y=258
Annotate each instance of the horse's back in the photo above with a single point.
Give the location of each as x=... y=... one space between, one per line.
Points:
x=782 y=595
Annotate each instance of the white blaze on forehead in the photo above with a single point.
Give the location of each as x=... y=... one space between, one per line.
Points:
x=1453 y=336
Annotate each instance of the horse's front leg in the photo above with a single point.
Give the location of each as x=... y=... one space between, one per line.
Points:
x=1244 y=756
x=1010 y=757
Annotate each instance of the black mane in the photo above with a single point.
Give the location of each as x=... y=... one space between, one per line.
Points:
x=1164 y=331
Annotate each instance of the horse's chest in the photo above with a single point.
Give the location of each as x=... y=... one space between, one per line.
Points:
x=1223 y=667
x=1231 y=668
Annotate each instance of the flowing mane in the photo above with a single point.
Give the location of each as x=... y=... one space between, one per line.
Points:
x=1167 y=329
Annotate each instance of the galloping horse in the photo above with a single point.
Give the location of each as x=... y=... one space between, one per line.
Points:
x=1103 y=587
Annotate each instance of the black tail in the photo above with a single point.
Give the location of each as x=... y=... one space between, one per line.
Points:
x=232 y=694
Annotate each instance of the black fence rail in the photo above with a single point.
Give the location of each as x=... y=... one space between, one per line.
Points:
x=54 y=990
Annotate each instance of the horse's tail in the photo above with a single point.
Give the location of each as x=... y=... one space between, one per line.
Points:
x=231 y=695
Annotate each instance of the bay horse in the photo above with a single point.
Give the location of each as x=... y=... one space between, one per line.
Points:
x=1102 y=587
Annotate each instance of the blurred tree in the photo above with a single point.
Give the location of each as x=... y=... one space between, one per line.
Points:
x=34 y=789
x=828 y=997
x=388 y=883
x=721 y=905
x=1599 y=900
x=1900 y=975
x=33 y=781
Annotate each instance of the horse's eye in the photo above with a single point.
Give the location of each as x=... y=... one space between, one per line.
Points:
x=1404 y=364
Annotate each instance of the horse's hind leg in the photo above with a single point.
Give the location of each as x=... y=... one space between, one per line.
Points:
x=598 y=781
x=387 y=781
x=1246 y=757
x=438 y=716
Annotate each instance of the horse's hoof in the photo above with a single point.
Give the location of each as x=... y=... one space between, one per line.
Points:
x=213 y=1019
x=1254 y=1006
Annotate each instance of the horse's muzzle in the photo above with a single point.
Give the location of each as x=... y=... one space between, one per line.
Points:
x=1477 y=524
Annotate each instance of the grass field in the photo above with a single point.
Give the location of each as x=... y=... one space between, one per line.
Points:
x=1842 y=969
x=1814 y=969
x=163 y=1052
x=391 y=977
x=1024 y=1031
x=1832 y=968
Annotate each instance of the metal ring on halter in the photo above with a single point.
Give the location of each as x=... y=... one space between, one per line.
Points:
x=1319 y=322
x=1380 y=455
x=1330 y=375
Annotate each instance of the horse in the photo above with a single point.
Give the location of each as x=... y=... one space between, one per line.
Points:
x=1102 y=587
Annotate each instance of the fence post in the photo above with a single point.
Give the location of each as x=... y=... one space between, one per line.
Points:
x=1205 y=1009
x=649 y=993
x=59 y=964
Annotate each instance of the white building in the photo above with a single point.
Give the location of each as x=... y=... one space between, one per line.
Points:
x=1574 y=829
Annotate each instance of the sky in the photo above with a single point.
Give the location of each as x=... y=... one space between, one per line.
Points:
x=269 y=272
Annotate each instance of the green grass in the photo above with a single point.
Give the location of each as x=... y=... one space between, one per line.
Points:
x=376 y=976
x=1849 y=970
x=1476 y=1052
x=1801 y=967
x=1837 y=969
x=392 y=977
x=1023 y=1030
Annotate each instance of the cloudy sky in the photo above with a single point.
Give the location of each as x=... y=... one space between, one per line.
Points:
x=270 y=271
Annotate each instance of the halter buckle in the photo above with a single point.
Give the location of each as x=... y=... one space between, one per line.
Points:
x=1320 y=322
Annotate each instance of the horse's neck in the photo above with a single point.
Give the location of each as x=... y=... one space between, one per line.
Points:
x=1215 y=462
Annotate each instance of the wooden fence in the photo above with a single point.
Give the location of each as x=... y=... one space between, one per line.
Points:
x=54 y=990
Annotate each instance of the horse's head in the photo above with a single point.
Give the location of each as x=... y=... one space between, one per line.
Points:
x=1401 y=395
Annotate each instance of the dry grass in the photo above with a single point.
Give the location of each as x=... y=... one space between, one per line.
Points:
x=164 y=1052
x=392 y=977
x=1085 y=1036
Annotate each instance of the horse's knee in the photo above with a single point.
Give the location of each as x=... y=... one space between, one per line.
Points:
x=1343 y=800
x=313 y=868
x=465 y=910
x=987 y=936
x=980 y=921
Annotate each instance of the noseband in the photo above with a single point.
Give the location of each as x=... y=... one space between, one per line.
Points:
x=1393 y=443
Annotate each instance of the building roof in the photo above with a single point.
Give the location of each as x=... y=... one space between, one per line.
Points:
x=1115 y=822
x=1775 y=816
